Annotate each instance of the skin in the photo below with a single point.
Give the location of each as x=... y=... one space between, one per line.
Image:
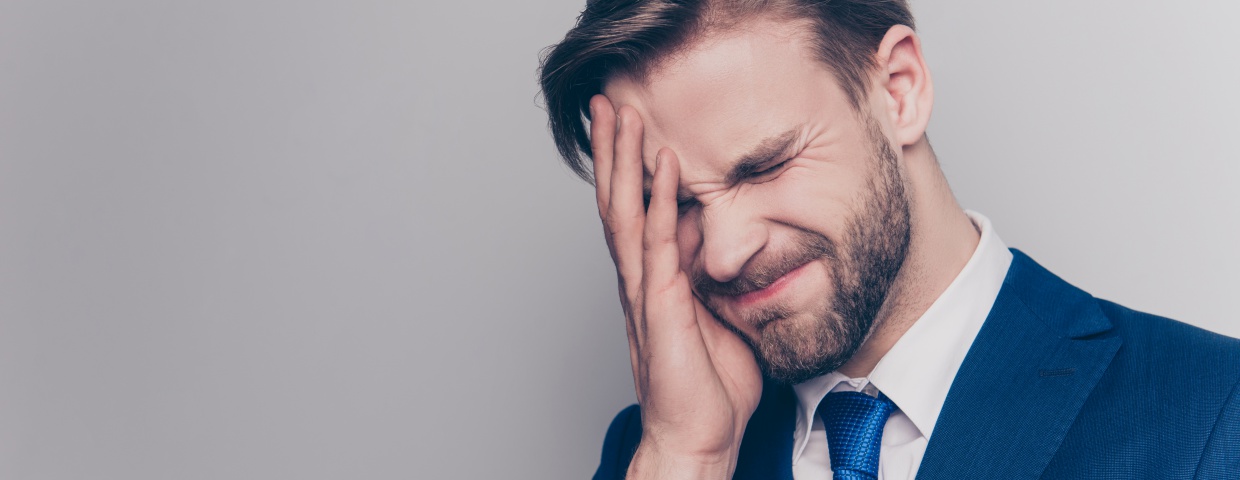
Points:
x=679 y=131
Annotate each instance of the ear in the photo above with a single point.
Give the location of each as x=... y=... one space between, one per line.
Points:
x=904 y=80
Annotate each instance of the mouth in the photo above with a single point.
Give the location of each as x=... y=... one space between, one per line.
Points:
x=773 y=290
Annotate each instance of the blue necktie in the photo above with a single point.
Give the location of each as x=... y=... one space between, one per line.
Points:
x=854 y=423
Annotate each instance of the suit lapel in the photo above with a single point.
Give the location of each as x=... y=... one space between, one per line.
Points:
x=766 y=450
x=1042 y=349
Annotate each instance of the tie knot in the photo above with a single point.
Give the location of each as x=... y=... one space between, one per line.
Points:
x=854 y=422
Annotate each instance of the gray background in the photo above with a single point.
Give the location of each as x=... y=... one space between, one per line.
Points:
x=323 y=240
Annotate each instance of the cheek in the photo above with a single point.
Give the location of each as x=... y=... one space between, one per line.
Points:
x=809 y=200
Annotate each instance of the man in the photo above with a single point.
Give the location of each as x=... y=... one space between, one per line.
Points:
x=804 y=296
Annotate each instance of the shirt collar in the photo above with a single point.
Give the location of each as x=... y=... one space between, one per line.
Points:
x=918 y=371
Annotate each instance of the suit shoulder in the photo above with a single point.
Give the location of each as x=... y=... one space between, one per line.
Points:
x=1171 y=339
x=1163 y=355
x=1165 y=406
x=620 y=443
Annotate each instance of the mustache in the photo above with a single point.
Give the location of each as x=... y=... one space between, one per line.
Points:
x=761 y=272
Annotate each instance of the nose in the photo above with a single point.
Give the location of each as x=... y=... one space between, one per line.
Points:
x=730 y=237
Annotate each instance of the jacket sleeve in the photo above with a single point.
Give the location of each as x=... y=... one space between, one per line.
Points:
x=619 y=445
x=1221 y=458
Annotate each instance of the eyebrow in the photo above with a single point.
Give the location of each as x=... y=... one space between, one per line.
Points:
x=766 y=151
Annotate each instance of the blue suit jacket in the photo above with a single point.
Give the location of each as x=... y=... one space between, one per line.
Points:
x=1057 y=384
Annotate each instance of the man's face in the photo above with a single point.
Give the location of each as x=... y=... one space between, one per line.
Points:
x=794 y=218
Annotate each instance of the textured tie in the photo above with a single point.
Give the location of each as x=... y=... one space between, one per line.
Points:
x=854 y=423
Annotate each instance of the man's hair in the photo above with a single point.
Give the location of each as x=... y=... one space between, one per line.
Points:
x=631 y=37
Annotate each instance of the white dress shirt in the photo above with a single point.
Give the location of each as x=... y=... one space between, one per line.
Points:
x=915 y=374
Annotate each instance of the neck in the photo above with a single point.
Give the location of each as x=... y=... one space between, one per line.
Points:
x=942 y=239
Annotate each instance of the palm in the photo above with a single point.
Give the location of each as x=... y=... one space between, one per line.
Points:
x=712 y=375
x=733 y=360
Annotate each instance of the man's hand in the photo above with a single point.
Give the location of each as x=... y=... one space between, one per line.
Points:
x=697 y=382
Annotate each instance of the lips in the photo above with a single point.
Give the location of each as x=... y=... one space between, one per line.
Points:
x=778 y=286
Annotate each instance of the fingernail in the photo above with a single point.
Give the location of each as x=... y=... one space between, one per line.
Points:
x=593 y=114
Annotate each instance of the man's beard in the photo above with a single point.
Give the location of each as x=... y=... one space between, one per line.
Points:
x=862 y=268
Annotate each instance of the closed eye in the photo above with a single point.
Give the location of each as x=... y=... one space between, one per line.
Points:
x=684 y=205
x=769 y=170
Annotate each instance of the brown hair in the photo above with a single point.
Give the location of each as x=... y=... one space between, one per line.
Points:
x=629 y=37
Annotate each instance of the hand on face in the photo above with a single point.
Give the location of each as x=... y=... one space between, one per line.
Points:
x=697 y=382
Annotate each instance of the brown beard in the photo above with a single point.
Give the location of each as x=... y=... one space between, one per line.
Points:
x=863 y=268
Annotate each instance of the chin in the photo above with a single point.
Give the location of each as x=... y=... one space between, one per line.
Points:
x=797 y=348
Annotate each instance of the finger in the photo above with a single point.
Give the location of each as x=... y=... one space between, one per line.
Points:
x=626 y=213
x=670 y=319
x=660 y=253
x=634 y=347
x=602 y=143
x=623 y=220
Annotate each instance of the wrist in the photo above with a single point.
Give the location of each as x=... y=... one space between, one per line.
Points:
x=650 y=462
